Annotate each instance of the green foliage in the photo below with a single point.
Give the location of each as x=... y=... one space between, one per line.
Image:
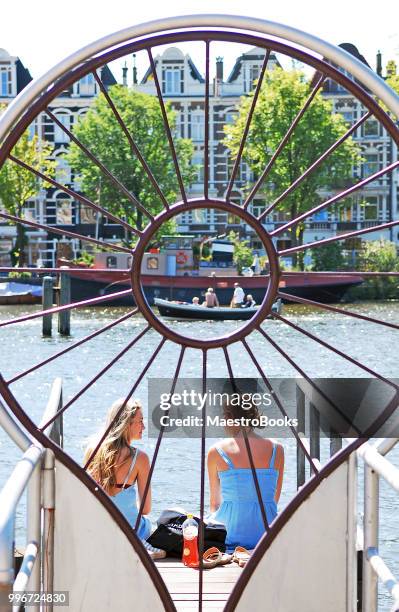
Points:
x=84 y=258
x=380 y=256
x=283 y=94
x=18 y=185
x=101 y=133
x=17 y=274
x=392 y=75
x=328 y=257
x=243 y=254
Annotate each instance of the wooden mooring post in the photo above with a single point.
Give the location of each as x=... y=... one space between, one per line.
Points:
x=47 y=302
x=64 y=317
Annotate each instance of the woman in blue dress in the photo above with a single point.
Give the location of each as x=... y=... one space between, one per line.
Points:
x=233 y=497
x=120 y=468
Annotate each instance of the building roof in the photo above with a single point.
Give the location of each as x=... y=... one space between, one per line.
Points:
x=107 y=77
x=256 y=53
x=23 y=75
x=175 y=55
x=353 y=50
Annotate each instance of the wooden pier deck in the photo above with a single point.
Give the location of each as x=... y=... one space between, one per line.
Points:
x=182 y=584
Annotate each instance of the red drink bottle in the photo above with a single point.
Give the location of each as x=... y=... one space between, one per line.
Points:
x=190 y=542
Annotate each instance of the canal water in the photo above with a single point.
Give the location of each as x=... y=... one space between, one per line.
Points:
x=176 y=480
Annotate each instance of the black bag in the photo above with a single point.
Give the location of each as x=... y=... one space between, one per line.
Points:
x=169 y=536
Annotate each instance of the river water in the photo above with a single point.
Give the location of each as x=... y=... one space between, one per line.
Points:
x=176 y=478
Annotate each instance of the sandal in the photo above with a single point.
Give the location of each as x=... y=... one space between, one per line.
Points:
x=241 y=556
x=214 y=557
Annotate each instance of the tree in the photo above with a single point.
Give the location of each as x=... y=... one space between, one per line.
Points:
x=243 y=254
x=18 y=185
x=380 y=256
x=328 y=257
x=101 y=133
x=282 y=95
x=392 y=75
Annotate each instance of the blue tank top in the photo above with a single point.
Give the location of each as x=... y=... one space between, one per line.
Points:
x=240 y=510
x=126 y=502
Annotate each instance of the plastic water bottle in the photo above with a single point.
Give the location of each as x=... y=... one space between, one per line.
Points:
x=190 y=542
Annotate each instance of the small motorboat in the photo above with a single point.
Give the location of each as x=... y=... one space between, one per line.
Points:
x=184 y=310
x=19 y=293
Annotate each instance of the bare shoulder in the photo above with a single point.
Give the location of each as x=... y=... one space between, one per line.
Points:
x=212 y=453
x=142 y=460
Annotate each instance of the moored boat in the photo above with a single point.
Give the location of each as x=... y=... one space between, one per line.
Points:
x=19 y=293
x=179 y=310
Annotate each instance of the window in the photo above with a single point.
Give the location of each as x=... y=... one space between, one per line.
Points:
x=59 y=134
x=234 y=220
x=87 y=85
x=5 y=81
x=348 y=116
x=197 y=126
x=251 y=74
x=201 y=216
x=258 y=207
x=371 y=164
x=198 y=163
x=369 y=208
x=63 y=215
x=172 y=80
x=63 y=171
x=231 y=116
x=111 y=261
x=371 y=129
x=152 y=263
x=87 y=214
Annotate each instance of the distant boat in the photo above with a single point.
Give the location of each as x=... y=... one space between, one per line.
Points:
x=183 y=310
x=19 y=293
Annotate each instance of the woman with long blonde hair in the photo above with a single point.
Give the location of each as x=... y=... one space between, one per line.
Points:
x=118 y=466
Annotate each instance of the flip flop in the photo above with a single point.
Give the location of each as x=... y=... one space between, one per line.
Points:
x=241 y=556
x=214 y=557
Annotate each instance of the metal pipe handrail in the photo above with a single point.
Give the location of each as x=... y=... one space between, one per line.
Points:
x=9 y=498
x=25 y=571
x=374 y=567
x=380 y=465
x=384 y=574
x=13 y=429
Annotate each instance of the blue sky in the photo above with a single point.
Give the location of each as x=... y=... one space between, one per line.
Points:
x=42 y=32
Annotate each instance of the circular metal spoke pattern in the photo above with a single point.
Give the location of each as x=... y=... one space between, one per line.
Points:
x=40 y=100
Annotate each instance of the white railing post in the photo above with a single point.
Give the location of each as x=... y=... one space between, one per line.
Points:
x=33 y=511
x=351 y=571
x=48 y=523
x=371 y=516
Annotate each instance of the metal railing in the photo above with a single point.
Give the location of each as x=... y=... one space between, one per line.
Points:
x=34 y=472
x=376 y=466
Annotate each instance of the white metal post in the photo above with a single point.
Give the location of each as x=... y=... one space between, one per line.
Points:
x=34 y=527
x=371 y=516
x=351 y=572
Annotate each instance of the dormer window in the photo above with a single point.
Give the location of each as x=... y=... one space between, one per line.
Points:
x=59 y=135
x=172 y=80
x=5 y=81
x=251 y=74
x=87 y=85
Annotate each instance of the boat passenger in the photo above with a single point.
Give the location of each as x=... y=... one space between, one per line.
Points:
x=233 y=497
x=196 y=301
x=118 y=467
x=238 y=296
x=249 y=302
x=211 y=299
